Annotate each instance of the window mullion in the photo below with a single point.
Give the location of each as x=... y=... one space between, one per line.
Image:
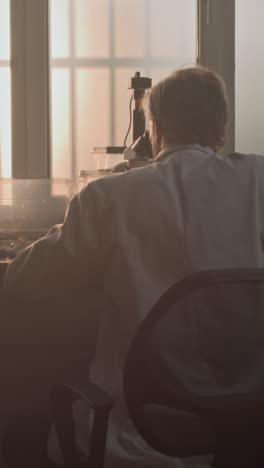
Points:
x=216 y=46
x=30 y=103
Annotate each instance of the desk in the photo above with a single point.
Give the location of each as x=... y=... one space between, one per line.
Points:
x=28 y=209
x=11 y=242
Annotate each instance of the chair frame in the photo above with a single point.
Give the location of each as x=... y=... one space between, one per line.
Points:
x=63 y=396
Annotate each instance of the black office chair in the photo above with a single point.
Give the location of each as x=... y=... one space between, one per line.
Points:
x=194 y=375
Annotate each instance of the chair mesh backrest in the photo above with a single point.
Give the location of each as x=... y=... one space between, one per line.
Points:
x=206 y=341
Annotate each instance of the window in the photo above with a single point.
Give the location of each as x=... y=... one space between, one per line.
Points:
x=5 y=90
x=96 y=46
x=74 y=96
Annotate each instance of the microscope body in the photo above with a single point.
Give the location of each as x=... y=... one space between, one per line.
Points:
x=139 y=153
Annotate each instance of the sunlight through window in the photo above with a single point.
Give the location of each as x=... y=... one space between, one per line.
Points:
x=96 y=46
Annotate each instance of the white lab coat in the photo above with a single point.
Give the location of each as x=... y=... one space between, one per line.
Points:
x=136 y=234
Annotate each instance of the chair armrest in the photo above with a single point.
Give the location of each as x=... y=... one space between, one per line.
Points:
x=94 y=395
x=62 y=399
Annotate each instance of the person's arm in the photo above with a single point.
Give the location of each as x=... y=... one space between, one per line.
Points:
x=68 y=256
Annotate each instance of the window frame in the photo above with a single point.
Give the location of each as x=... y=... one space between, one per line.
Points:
x=216 y=50
x=30 y=69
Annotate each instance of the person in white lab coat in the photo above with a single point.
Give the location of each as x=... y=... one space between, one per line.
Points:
x=133 y=235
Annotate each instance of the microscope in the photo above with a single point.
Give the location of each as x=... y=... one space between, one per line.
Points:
x=139 y=153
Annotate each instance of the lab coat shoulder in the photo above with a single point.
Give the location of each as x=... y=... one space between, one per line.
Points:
x=245 y=160
x=249 y=166
x=120 y=189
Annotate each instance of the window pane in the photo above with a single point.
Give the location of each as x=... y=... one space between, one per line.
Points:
x=249 y=76
x=92 y=113
x=60 y=28
x=4 y=30
x=158 y=73
x=129 y=28
x=5 y=122
x=173 y=29
x=61 y=123
x=6 y=194
x=92 y=28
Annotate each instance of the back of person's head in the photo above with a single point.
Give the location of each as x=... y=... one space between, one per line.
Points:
x=190 y=106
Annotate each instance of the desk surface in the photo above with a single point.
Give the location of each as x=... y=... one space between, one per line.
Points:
x=11 y=242
x=28 y=209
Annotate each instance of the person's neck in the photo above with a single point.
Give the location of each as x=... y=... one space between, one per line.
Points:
x=174 y=147
x=177 y=144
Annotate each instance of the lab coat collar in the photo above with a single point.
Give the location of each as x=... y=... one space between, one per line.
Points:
x=174 y=148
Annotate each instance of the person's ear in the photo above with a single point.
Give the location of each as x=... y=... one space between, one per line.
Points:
x=155 y=136
x=220 y=144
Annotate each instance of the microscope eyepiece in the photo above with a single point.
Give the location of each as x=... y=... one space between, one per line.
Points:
x=139 y=82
